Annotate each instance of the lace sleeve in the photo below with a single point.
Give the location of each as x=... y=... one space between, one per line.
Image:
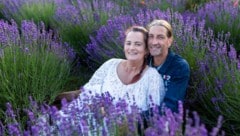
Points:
x=92 y=87
x=156 y=89
x=95 y=83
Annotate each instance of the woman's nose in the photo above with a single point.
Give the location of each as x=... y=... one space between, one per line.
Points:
x=132 y=46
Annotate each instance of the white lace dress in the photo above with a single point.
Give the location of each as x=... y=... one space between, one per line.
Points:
x=105 y=79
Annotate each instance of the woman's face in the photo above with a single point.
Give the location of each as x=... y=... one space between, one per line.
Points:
x=134 y=46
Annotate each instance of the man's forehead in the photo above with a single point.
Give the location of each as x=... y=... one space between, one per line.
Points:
x=157 y=28
x=157 y=33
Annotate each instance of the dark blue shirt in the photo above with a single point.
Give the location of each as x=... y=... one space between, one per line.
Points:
x=176 y=73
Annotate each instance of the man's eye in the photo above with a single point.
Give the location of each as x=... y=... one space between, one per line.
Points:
x=138 y=44
x=160 y=37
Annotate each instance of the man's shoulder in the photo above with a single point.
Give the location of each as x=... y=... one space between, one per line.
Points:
x=177 y=65
x=179 y=61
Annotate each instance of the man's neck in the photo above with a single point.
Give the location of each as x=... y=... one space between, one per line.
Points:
x=159 y=60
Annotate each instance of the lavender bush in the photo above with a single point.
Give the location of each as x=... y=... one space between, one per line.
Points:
x=41 y=10
x=133 y=6
x=108 y=119
x=222 y=16
x=193 y=5
x=209 y=87
x=31 y=63
x=214 y=75
x=80 y=18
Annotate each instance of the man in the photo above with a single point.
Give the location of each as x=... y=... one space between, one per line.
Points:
x=173 y=68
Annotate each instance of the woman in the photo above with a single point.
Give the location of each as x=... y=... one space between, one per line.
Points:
x=128 y=79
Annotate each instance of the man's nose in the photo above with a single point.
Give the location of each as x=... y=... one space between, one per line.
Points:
x=154 y=41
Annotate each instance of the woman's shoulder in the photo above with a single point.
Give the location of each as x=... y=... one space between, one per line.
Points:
x=112 y=61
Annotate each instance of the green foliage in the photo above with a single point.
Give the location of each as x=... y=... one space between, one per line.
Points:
x=37 y=11
x=23 y=73
x=221 y=97
x=214 y=84
x=1 y=15
x=79 y=75
x=192 y=5
x=77 y=35
x=223 y=16
x=127 y=3
x=225 y=23
x=83 y=23
x=134 y=6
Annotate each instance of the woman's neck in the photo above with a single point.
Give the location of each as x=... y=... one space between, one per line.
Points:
x=131 y=66
x=129 y=72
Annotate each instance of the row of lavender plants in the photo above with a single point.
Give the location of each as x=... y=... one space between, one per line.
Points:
x=116 y=119
x=96 y=30
x=75 y=20
x=32 y=62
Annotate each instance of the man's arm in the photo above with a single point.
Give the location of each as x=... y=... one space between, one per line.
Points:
x=176 y=91
x=177 y=87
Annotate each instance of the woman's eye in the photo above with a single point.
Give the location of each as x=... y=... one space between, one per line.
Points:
x=128 y=43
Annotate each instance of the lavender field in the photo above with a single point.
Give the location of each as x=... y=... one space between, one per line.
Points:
x=51 y=46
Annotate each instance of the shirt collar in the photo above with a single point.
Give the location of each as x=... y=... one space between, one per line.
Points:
x=151 y=64
x=165 y=64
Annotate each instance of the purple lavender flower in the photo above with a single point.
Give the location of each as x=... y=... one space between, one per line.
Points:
x=9 y=33
x=76 y=121
x=14 y=129
x=29 y=32
x=222 y=16
x=10 y=113
x=2 y=128
x=216 y=129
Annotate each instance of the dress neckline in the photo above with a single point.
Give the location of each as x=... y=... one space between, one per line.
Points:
x=116 y=74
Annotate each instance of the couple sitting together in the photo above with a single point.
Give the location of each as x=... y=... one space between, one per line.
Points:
x=163 y=75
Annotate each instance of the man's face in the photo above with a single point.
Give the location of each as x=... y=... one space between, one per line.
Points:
x=158 y=42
